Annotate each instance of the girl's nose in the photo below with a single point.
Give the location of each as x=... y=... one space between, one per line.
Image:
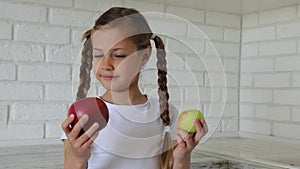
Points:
x=106 y=63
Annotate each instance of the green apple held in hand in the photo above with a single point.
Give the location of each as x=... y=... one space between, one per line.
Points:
x=186 y=120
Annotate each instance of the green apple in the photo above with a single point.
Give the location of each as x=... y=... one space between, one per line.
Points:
x=186 y=120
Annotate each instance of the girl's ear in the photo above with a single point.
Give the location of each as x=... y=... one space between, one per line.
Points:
x=146 y=55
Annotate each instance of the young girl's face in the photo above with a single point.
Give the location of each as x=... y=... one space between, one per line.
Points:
x=116 y=61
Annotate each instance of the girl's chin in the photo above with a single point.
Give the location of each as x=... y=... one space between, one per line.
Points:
x=115 y=88
x=115 y=85
x=110 y=86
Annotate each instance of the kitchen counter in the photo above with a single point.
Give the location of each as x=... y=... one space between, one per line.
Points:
x=268 y=154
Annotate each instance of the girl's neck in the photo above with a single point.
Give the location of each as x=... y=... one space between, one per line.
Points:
x=128 y=97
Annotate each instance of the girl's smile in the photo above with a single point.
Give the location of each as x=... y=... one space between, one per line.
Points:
x=107 y=77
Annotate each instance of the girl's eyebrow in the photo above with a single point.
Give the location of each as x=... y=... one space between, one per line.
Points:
x=97 y=49
x=115 y=49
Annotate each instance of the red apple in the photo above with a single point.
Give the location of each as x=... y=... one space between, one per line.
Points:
x=94 y=107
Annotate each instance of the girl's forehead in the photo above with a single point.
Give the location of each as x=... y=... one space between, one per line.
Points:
x=108 y=34
x=108 y=38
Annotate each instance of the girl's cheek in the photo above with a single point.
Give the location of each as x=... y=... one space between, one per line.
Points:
x=96 y=65
x=95 y=72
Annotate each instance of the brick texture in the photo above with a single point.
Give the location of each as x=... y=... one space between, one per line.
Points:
x=40 y=44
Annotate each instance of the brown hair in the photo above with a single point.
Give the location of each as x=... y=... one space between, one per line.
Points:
x=141 y=35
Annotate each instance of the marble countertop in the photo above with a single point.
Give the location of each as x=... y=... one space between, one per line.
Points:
x=239 y=151
x=257 y=152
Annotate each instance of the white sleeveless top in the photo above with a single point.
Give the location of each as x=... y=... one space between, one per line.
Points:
x=132 y=138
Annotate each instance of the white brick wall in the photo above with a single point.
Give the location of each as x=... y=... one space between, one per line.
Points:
x=185 y=46
x=256 y=95
x=63 y=54
x=229 y=125
x=255 y=127
x=223 y=19
x=246 y=111
x=220 y=80
x=43 y=34
x=193 y=15
x=177 y=94
x=22 y=131
x=165 y=27
x=205 y=31
x=278 y=15
x=296 y=114
x=76 y=35
x=288 y=97
x=6 y=31
x=256 y=65
x=71 y=17
x=54 y=92
x=250 y=20
x=16 y=52
x=203 y=95
x=7 y=71
x=223 y=49
x=232 y=35
x=53 y=129
x=231 y=65
x=287 y=64
x=288 y=30
x=20 y=92
x=64 y=3
x=21 y=112
x=20 y=12
x=40 y=44
x=195 y=63
x=272 y=80
x=278 y=48
x=258 y=34
x=144 y=6
x=270 y=65
x=209 y=64
x=286 y=130
x=246 y=80
x=185 y=78
x=296 y=80
x=230 y=96
x=230 y=110
x=273 y=113
x=96 y=5
x=3 y=116
x=250 y=50
x=174 y=62
x=44 y=73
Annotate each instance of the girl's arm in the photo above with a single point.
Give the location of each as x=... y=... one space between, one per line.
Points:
x=183 y=164
x=186 y=143
x=77 y=148
x=70 y=159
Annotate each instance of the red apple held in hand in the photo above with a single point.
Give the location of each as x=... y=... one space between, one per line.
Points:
x=94 y=107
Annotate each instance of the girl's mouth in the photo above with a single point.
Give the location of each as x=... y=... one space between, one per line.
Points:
x=105 y=77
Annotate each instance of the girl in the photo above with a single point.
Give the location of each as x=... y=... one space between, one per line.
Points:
x=139 y=132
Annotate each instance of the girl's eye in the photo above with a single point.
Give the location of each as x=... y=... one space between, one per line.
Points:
x=98 y=56
x=120 y=56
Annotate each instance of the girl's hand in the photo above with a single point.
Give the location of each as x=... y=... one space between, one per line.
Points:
x=187 y=142
x=79 y=145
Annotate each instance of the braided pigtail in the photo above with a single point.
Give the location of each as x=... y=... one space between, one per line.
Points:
x=85 y=79
x=167 y=150
x=86 y=66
